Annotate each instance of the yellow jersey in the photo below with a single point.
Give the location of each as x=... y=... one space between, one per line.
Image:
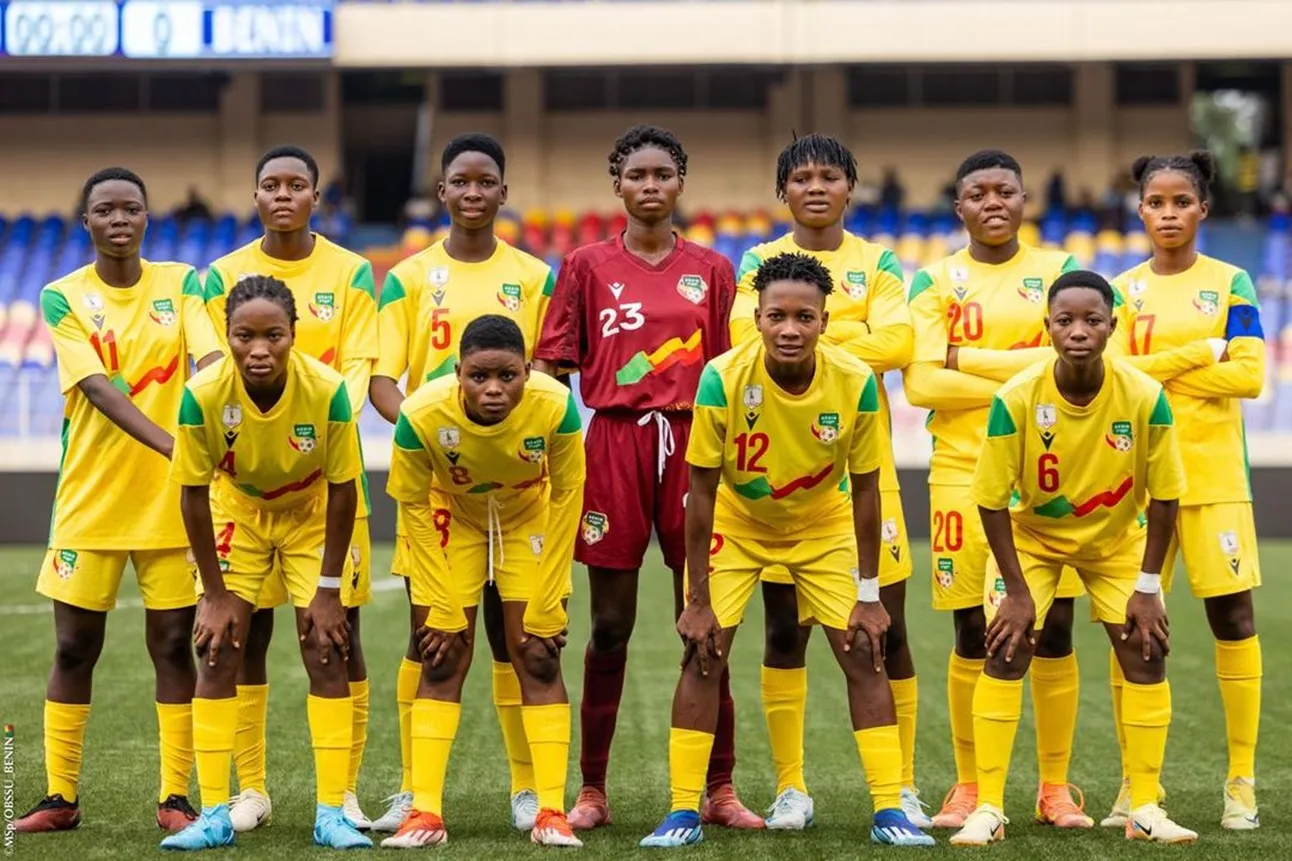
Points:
x=277 y=459
x=1164 y=324
x=429 y=298
x=112 y=493
x=995 y=316
x=1083 y=474
x=786 y=458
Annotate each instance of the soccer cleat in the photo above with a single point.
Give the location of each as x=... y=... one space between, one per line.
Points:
x=914 y=808
x=551 y=828
x=1150 y=822
x=353 y=813
x=175 y=814
x=791 y=811
x=249 y=810
x=679 y=828
x=398 y=807
x=418 y=830
x=893 y=828
x=1117 y=817
x=211 y=830
x=1055 y=806
x=984 y=826
x=961 y=800
x=333 y=831
x=723 y=808
x=51 y=813
x=524 y=810
x=1240 y=806
x=592 y=810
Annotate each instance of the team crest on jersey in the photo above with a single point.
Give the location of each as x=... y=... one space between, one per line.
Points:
x=1046 y=418
x=324 y=306
x=946 y=572
x=438 y=276
x=532 y=449
x=536 y=544
x=1230 y=546
x=163 y=312
x=231 y=418
x=826 y=427
x=1120 y=438
x=450 y=438
x=854 y=284
x=65 y=563
x=997 y=595
x=889 y=532
x=692 y=288
x=595 y=526
x=303 y=438
x=753 y=401
x=1136 y=290
x=1208 y=302
x=509 y=297
x=94 y=302
x=1033 y=290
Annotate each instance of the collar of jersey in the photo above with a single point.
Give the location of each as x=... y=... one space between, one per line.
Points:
x=1051 y=390
x=99 y=285
x=449 y=260
x=288 y=267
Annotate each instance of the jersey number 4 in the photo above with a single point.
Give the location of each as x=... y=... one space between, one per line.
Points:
x=625 y=318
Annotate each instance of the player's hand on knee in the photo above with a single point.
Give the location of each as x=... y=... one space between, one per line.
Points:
x=436 y=645
x=552 y=645
x=702 y=635
x=1014 y=623
x=1146 y=614
x=325 y=618
x=867 y=629
x=216 y=625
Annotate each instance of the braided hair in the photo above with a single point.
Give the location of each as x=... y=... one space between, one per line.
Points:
x=641 y=137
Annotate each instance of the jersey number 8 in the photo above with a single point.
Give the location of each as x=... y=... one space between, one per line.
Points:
x=613 y=324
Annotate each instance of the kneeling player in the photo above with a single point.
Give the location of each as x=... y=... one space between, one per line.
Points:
x=784 y=454
x=278 y=429
x=1087 y=443
x=504 y=451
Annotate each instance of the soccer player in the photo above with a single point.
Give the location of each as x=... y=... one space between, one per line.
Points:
x=784 y=470
x=1194 y=323
x=815 y=176
x=1087 y=444
x=979 y=319
x=637 y=316
x=426 y=302
x=272 y=431
x=124 y=330
x=488 y=468
x=340 y=330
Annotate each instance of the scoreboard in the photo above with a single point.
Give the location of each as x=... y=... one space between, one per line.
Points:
x=167 y=29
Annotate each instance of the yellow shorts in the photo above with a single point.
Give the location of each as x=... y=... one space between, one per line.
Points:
x=263 y=550
x=959 y=551
x=894 y=554
x=356 y=589
x=1218 y=543
x=90 y=579
x=821 y=570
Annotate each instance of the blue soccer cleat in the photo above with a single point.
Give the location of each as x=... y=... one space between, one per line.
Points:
x=679 y=828
x=892 y=828
x=333 y=830
x=209 y=831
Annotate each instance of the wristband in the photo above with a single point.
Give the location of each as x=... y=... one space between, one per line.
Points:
x=868 y=590
x=329 y=582
x=1149 y=584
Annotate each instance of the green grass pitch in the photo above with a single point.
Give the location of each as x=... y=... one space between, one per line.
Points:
x=120 y=769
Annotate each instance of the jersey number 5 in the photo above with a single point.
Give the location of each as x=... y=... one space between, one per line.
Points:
x=612 y=323
x=441 y=333
x=1047 y=472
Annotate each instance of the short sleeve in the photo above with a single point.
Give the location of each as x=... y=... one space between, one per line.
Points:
x=561 y=335
x=343 y=459
x=200 y=337
x=411 y=470
x=997 y=471
x=1243 y=318
x=709 y=422
x=394 y=328
x=77 y=358
x=927 y=320
x=866 y=452
x=215 y=292
x=359 y=328
x=192 y=462
x=1166 y=478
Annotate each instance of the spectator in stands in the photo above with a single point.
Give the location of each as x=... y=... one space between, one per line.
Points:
x=194 y=208
x=891 y=191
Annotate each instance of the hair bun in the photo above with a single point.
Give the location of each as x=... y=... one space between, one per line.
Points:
x=1140 y=166
x=1205 y=161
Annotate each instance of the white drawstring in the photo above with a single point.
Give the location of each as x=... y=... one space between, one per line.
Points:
x=495 y=528
x=665 y=441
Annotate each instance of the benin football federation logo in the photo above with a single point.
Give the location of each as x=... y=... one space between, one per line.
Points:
x=826 y=427
x=595 y=527
x=324 y=306
x=854 y=284
x=1208 y=302
x=753 y=401
x=692 y=288
x=997 y=594
x=1120 y=438
x=1046 y=418
x=946 y=572
x=303 y=438
x=65 y=562
x=509 y=297
x=163 y=312
x=889 y=532
x=1230 y=547
x=1033 y=290
x=532 y=449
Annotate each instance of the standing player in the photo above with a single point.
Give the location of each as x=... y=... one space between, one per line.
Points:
x=815 y=176
x=489 y=468
x=979 y=319
x=426 y=303
x=637 y=316
x=124 y=330
x=784 y=467
x=340 y=331
x=1194 y=323
x=1086 y=444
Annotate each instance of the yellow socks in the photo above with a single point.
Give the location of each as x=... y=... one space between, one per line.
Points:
x=175 y=736
x=359 y=733
x=410 y=675
x=906 y=699
x=1116 y=679
x=1146 y=712
x=506 y=700
x=64 y=741
x=784 y=705
x=215 y=724
x=1238 y=667
x=881 y=759
x=688 y=764
x=997 y=707
x=249 y=746
x=331 y=733
x=548 y=731
x=435 y=726
x=1055 y=692
x=962 y=678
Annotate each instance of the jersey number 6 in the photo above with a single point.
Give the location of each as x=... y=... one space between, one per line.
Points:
x=612 y=323
x=1047 y=472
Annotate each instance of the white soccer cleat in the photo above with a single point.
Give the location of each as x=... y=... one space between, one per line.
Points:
x=397 y=811
x=914 y=808
x=984 y=826
x=792 y=811
x=1150 y=822
x=350 y=807
x=249 y=809
x=1117 y=817
x=1240 y=806
x=524 y=810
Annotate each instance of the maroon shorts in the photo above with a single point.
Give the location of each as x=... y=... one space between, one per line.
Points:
x=625 y=494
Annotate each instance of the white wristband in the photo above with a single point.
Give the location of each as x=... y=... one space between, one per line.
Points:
x=329 y=582
x=1149 y=584
x=868 y=590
